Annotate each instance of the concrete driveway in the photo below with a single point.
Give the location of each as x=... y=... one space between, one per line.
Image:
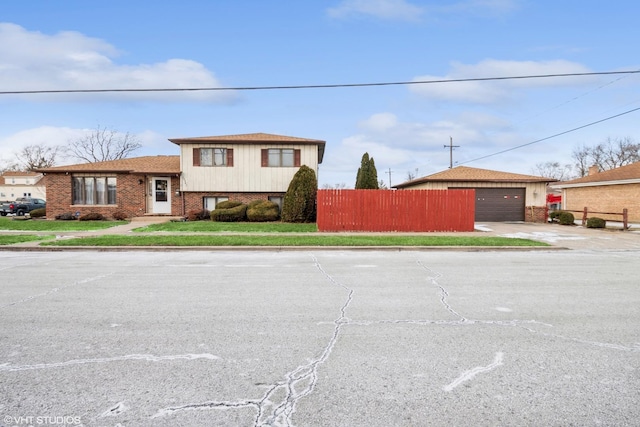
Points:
x=320 y=338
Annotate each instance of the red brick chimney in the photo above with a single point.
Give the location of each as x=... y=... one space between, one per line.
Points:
x=593 y=170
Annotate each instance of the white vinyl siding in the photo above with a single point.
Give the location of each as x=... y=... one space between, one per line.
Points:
x=247 y=173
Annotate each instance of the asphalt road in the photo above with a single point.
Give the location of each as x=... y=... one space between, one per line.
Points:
x=320 y=338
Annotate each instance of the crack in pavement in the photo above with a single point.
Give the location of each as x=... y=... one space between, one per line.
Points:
x=54 y=290
x=7 y=367
x=278 y=404
x=297 y=384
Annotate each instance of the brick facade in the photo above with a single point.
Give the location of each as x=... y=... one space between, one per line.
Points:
x=131 y=197
x=535 y=214
x=604 y=198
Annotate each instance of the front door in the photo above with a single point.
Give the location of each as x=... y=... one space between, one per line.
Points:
x=161 y=195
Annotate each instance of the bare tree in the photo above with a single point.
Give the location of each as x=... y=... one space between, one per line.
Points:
x=609 y=154
x=103 y=144
x=553 y=170
x=338 y=186
x=36 y=156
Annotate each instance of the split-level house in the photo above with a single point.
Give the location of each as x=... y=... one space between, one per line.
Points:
x=210 y=169
x=14 y=184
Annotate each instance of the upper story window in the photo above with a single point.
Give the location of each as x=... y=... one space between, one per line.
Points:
x=280 y=157
x=212 y=157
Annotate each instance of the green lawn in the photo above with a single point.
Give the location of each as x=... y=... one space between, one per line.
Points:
x=11 y=224
x=292 y=240
x=231 y=227
x=21 y=238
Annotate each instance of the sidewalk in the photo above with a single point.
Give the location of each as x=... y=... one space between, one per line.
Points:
x=558 y=236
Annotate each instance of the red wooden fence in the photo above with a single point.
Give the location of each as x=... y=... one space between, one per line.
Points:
x=396 y=210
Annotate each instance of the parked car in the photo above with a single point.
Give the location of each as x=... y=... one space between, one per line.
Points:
x=22 y=206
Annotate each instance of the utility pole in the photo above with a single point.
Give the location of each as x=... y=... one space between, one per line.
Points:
x=451 y=147
x=389 y=172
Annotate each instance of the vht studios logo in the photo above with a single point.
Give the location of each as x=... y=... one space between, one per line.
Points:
x=31 y=420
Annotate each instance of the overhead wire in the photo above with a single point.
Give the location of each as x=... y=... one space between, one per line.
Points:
x=318 y=86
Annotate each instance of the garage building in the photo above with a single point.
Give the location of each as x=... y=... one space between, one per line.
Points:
x=500 y=196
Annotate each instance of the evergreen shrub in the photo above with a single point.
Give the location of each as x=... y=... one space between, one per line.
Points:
x=596 y=222
x=299 y=204
x=92 y=216
x=38 y=213
x=566 y=218
x=236 y=212
x=263 y=211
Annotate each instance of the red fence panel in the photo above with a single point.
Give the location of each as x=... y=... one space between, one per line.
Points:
x=396 y=210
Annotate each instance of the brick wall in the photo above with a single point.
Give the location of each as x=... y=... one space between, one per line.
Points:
x=130 y=197
x=535 y=214
x=608 y=198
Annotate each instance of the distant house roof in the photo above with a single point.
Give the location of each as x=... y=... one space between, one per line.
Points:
x=20 y=173
x=254 y=138
x=134 y=165
x=467 y=174
x=629 y=174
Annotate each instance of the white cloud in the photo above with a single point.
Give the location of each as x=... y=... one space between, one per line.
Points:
x=486 y=92
x=31 y=60
x=383 y=9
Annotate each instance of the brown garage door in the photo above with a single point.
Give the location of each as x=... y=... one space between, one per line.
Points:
x=500 y=204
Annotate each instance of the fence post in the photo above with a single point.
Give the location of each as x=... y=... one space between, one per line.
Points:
x=584 y=216
x=625 y=219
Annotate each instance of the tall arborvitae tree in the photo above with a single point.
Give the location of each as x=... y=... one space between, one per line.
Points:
x=299 y=204
x=367 y=177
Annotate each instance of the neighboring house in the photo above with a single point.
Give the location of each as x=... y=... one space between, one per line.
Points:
x=208 y=170
x=500 y=196
x=607 y=191
x=15 y=184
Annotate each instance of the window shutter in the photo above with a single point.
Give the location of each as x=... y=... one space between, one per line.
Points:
x=296 y=158
x=265 y=157
x=196 y=157
x=229 y=156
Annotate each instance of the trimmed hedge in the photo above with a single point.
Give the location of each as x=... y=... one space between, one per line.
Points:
x=263 y=211
x=38 y=213
x=566 y=218
x=596 y=222
x=92 y=216
x=229 y=211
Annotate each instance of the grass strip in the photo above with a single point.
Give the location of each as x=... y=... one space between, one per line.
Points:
x=21 y=238
x=7 y=223
x=288 y=240
x=229 y=227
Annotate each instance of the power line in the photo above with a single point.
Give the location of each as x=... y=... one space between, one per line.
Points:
x=320 y=86
x=552 y=136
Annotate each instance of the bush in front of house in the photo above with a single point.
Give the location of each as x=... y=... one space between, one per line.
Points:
x=119 y=215
x=299 y=204
x=67 y=216
x=198 y=215
x=553 y=216
x=596 y=222
x=229 y=211
x=38 y=213
x=566 y=218
x=263 y=211
x=92 y=216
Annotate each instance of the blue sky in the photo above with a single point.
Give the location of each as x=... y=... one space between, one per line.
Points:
x=70 y=44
